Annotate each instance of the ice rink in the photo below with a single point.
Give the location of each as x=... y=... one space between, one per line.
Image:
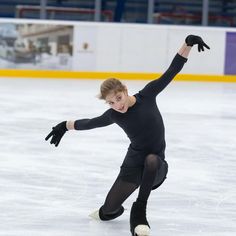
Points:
x=48 y=191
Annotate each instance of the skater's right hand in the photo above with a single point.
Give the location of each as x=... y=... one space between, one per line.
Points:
x=57 y=133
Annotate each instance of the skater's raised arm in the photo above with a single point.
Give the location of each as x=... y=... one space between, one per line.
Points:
x=83 y=124
x=156 y=86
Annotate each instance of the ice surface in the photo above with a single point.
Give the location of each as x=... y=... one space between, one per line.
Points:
x=48 y=191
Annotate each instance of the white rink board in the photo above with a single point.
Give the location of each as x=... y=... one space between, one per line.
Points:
x=113 y=47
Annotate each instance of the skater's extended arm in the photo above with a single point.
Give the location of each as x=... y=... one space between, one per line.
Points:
x=156 y=86
x=59 y=130
x=100 y=121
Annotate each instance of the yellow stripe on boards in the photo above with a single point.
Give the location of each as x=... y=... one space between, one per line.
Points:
x=77 y=74
x=207 y=78
x=105 y=75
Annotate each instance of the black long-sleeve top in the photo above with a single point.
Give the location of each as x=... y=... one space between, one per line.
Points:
x=142 y=122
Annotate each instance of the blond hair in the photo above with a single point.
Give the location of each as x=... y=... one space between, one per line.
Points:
x=111 y=85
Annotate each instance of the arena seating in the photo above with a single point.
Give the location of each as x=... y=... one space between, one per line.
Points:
x=221 y=12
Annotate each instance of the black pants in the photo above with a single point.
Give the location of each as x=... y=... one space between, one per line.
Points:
x=135 y=172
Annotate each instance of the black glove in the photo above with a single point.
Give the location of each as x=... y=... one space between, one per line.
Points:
x=194 y=39
x=57 y=133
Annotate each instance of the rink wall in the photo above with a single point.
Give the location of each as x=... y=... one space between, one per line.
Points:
x=56 y=49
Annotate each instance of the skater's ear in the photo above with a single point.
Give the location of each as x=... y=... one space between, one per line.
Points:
x=125 y=89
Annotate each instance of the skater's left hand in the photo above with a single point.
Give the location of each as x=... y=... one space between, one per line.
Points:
x=194 y=39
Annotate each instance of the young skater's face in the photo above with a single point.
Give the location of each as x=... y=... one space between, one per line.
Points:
x=118 y=101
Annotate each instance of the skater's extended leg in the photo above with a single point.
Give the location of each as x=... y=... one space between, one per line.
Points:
x=112 y=207
x=118 y=193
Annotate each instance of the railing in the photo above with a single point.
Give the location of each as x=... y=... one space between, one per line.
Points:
x=52 y=12
x=191 y=18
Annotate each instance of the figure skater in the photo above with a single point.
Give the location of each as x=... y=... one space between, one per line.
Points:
x=144 y=165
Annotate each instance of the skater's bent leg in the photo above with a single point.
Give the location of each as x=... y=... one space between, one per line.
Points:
x=138 y=221
x=151 y=166
x=118 y=193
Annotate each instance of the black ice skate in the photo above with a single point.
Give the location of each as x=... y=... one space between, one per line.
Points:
x=99 y=215
x=138 y=223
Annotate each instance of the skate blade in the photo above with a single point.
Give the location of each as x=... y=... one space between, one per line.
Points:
x=142 y=230
x=95 y=215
